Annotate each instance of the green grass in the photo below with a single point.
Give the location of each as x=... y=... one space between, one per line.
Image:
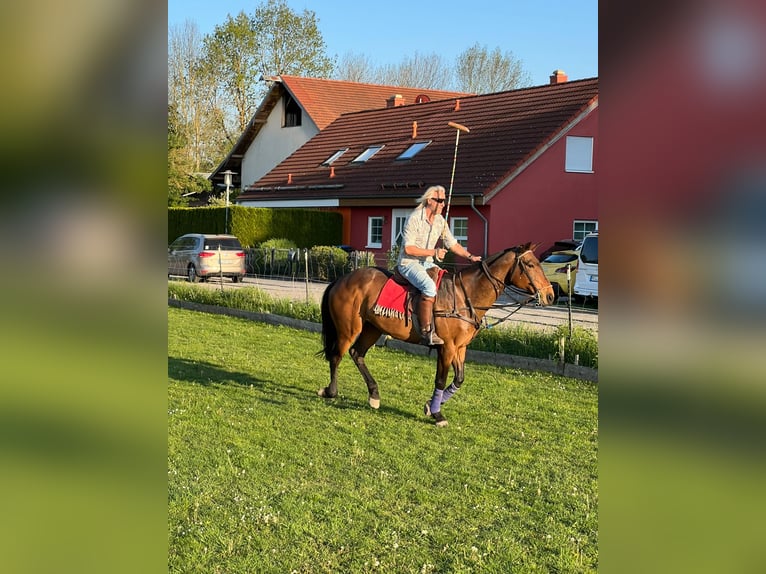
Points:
x=264 y=476
x=516 y=340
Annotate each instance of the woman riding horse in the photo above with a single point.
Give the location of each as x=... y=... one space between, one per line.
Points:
x=422 y=230
x=351 y=324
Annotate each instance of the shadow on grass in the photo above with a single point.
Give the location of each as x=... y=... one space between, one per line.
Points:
x=208 y=374
x=344 y=403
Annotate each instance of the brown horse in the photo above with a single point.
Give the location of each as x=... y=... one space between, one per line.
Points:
x=350 y=324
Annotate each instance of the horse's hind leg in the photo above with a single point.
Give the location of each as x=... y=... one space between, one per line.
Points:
x=357 y=352
x=346 y=334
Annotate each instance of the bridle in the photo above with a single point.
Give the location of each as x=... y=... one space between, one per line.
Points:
x=499 y=285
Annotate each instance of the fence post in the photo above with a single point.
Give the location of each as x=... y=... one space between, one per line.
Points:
x=306 y=257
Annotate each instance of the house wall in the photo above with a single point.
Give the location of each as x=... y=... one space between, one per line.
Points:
x=358 y=217
x=541 y=204
x=273 y=144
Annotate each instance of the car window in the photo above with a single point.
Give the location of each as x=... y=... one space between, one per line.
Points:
x=226 y=244
x=589 y=253
x=560 y=258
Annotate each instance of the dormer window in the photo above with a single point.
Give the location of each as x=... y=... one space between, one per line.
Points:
x=413 y=150
x=333 y=157
x=292 y=112
x=367 y=154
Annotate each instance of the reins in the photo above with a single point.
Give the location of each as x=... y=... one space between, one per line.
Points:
x=499 y=287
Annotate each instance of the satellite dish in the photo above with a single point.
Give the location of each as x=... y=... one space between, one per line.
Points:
x=422 y=99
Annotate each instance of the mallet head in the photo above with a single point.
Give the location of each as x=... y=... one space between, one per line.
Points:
x=458 y=127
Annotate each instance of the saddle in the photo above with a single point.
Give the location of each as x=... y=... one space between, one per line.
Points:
x=399 y=297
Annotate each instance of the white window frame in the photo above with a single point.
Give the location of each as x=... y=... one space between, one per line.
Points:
x=585 y=225
x=400 y=215
x=368 y=153
x=370 y=243
x=579 y=154
x=413 y=150
x=334 y=157
x=462 y=239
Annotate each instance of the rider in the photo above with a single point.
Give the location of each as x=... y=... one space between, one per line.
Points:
x=423 y=228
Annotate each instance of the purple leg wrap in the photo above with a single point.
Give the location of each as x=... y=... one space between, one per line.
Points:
x=436 y=401
x=448 y=392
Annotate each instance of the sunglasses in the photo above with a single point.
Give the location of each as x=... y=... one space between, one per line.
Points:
x=438 y=200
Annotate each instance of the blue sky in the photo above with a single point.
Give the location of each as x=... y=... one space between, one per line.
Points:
x=544 y=34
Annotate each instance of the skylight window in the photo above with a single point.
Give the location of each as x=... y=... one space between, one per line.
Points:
x=413 y=150
x=367 y=154
x=334 y=156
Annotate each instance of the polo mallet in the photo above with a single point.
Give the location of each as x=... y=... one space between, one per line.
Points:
x=459 y=128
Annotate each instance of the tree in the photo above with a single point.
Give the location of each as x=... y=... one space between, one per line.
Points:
x=289 y=43
x=357 y=68
x=481 y=72
x=231 y=60
x=419 y=71
x=196 y=100
x=181 y=178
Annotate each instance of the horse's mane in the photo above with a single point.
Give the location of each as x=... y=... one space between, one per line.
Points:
x=517 y=249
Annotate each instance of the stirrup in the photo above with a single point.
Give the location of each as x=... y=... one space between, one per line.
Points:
x=430 y=338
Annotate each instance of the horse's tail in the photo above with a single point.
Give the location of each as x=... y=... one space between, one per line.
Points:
x=329 y=330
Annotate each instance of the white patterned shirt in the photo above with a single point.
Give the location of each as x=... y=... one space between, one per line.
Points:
x=420 y=233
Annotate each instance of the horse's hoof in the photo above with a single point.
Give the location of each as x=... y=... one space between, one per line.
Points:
x=374 y=403
x=427 y=409
x=321 y=393
x=440 y=420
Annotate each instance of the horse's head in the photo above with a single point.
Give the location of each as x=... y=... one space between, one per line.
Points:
x=526 y=274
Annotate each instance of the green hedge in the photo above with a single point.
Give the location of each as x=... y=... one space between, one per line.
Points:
x=254 y=225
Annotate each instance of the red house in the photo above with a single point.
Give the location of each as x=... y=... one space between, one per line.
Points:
x=525 y=170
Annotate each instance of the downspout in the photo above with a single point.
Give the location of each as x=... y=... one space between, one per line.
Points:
x=486 y=225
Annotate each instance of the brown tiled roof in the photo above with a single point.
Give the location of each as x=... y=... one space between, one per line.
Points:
x=506 y=130
x=323 y=101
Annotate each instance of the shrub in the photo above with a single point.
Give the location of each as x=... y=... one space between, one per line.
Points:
x=327 y=263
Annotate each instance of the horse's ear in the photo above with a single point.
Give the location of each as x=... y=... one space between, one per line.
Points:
x=532 y=246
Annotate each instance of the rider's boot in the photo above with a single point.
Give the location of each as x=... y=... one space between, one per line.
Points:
x=425 y=315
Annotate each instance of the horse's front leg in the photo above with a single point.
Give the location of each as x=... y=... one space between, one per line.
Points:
x=434 y=406
x=458 y=367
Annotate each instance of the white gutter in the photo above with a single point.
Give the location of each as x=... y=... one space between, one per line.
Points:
x=306 y=203
x=486 y=225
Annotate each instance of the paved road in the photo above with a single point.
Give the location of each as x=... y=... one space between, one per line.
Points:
x=529 y=315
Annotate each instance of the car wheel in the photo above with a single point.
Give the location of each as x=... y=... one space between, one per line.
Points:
x=236 y=278
x=191 y=274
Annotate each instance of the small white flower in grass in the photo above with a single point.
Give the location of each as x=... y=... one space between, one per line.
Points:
x=424 y=532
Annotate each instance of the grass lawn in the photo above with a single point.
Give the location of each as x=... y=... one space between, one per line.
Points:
x=264 y=476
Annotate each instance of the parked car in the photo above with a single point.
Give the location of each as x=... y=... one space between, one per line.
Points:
x=555 y=268
x=198 y=256
x=560 y=245
x=586 y=284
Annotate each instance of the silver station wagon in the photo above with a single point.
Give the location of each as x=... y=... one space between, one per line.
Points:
x=198 y=256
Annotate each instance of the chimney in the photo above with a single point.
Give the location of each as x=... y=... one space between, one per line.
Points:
x=395 y=101
x=558 y=77
x=332 y=171
x=457 y=105
x=289 y=178
x=414 y=130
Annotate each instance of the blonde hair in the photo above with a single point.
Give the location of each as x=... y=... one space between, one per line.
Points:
x=429 y=193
